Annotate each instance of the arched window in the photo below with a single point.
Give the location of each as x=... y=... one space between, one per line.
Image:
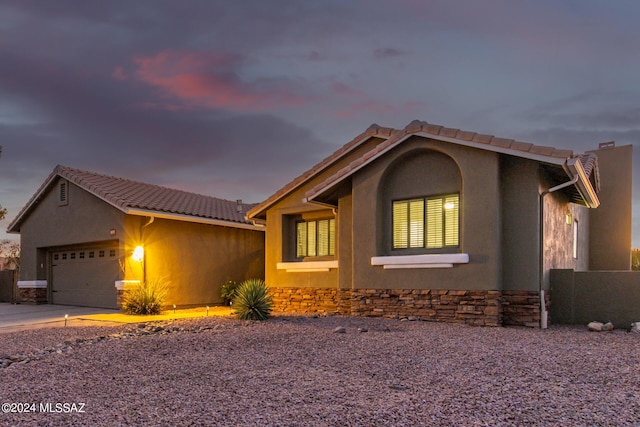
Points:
x=421 y=199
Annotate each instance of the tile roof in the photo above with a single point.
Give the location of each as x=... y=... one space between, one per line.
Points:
x=127 y=195
x=392 y=137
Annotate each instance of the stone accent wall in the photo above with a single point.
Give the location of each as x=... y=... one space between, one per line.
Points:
x=522 y=308
x=478 y=308
x=33 y=295
x=310 y=300
x=119 y=297
x=344 y=301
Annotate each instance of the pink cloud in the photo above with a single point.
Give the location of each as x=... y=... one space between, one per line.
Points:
x=210 y=80
x=344 y=89
x=119 y=73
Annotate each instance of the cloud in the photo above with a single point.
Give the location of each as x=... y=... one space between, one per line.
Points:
x=200 y=79
x=589 y=110
x=119 y=73
x=387 y=52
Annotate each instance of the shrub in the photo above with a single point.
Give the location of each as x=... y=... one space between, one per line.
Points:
x=228 y=291
x=252 y=300
x=145 y=298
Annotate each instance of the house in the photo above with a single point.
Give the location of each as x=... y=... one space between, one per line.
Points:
x=86 y=237
x=441 y=224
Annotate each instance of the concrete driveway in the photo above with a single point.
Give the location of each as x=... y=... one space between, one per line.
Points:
x=16 y=317
x=19 y=317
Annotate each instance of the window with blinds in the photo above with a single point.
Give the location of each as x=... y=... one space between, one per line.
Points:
x=430 y=222
x=315 y=238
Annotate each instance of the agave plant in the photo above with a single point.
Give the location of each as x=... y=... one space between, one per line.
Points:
x=252 y=300
x=145 y=298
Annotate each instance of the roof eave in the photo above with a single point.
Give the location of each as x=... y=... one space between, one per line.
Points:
x=583 y=185
x=560 y=161
x=191 y=218
x=259 y=212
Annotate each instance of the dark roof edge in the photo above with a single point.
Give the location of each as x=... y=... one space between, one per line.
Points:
x=67 y=173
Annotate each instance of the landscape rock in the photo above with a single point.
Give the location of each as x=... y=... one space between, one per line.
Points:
x=339 y=330
x=608 y=327
x=595 y=326
x=317 y=379
x=635 y=327
x=363 y=329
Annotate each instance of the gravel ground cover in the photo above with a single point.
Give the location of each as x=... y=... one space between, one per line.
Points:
x=297 y=371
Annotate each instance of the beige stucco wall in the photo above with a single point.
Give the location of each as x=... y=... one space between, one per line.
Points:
x=344 y=229
x=479 y=223
x=84 y=219
x=194 y=260
x=276 y=246
x=499 y=222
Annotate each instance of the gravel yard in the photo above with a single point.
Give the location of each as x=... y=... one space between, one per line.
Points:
x=296 y=371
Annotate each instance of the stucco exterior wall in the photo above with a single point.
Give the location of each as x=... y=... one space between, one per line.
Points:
x=345 y=241
x=582 y=297
x=611 y=221
x=519 y=188
x=83 y=219
x=193 y=259
x=479 y=223
x=278 y=239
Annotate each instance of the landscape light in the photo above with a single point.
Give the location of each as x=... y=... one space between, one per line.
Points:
x=207 y=311
x=66 y=316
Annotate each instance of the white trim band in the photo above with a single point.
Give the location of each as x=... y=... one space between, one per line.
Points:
x=122 y=284
x=420 y=261
x=31 y=284
x=307 y=266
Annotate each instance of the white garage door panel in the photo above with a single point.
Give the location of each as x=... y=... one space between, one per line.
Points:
x=85 y=277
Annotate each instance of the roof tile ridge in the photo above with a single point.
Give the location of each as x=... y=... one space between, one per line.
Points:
x=417 y=126
x=394 y=137
x=374 y=130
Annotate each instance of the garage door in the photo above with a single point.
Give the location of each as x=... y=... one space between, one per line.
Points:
x=85 y=277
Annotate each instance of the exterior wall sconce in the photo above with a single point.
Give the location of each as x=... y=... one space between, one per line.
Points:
x=569 y=218
x=112 y=232
x=138 y=254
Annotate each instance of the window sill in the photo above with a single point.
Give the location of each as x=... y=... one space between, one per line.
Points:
x=307 y=266
x=420 y=261
x=32 y=284
x=121 y=285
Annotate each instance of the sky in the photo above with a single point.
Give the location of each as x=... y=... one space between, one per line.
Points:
x=234 y=99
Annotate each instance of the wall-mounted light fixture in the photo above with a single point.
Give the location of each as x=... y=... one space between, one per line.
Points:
x=138 y=254
x=569 y=218
x=112 y=232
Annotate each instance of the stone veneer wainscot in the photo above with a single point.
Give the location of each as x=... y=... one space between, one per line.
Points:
x=478 y=308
